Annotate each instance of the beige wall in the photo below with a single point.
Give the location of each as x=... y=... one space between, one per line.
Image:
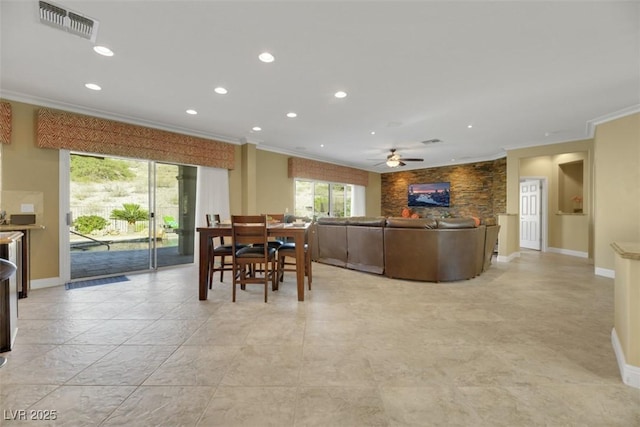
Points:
x=617 y=185
x=274 y=192
x=26 y=167
x=567 y=232
x=374 y=195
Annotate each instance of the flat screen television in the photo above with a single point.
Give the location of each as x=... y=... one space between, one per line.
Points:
x=434 y=194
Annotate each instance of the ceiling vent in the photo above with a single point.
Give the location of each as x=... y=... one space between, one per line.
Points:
x=431 y=141
x=67 y=20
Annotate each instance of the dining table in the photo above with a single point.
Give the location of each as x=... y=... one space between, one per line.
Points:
x=296 y=231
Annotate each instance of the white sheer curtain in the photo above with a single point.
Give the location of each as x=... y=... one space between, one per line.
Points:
x=212 y=196
x=358 y=201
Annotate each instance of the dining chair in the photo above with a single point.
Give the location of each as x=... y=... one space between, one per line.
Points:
x=288 y=250
x=222 y=252
x=251 y=230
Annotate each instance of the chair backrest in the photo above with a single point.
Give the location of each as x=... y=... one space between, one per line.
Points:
x=212 y=219
x=249 y=229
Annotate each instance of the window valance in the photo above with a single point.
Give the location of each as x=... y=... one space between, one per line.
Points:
x=320 y=171
x=5 y=123
x=62 y=130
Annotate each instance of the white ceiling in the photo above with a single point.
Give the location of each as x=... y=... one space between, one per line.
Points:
x=522 y=73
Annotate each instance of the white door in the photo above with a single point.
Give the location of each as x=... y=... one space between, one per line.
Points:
x=530 y=214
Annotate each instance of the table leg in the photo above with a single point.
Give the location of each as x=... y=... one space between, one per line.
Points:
x=299 y=239
x=203 y=273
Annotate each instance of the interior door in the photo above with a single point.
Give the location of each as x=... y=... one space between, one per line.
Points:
x=530 y=218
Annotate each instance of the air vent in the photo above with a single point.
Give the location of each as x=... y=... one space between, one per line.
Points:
x=67 y=20
x=431 y=141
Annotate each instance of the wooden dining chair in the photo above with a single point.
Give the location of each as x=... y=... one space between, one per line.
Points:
x=288 y=250
x=222 y=252
x=251 y=230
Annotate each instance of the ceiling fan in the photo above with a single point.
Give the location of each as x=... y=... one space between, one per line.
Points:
x=394 y=160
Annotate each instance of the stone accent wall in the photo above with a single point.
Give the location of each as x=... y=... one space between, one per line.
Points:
x=477 y=189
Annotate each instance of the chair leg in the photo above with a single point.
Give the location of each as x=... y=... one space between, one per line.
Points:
x=275 y=274
x=308 y=266
x=221 y=268
x=233 y=294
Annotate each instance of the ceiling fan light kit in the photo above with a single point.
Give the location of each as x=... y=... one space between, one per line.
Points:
x=394 y=160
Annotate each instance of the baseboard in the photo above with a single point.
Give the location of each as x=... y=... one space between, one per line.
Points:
x=578 y=254
x=46 y=283
x=509 y=258
x=630 y=374
x=605 y=272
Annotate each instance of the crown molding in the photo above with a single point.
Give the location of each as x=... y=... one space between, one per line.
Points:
x=591 y=124
x=72 y=108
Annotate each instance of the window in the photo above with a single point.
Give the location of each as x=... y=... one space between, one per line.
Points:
x=315 y=199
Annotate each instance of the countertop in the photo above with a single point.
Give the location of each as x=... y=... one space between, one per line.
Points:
x=9 y=237
x=17 y=227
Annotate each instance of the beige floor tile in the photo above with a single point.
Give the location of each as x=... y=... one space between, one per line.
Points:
x=195 y=366
x=340 y=406
x=81 y=405
x=166 y=332
x=52 y=331
x=55 y=366
x=265 y=365
x=341 y=364
x=427 y=406
x=162 y=406
x=16 y=397
x=250 y=407
x=112 y=331
x=126 y=365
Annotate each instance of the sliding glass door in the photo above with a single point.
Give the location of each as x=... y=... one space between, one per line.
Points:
x=128 y=215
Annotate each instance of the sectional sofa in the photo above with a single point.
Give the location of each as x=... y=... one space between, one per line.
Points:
x=433 y=250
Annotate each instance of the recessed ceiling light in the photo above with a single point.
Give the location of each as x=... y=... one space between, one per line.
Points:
x=292 y=115
x=266 y=57
x=340 y=94
x=103 y=50
x=373 y=132
x=321 y=145
x=92 y=86
x=469 y=126
x=192 y=112
x=220 y=90
x=256 y=128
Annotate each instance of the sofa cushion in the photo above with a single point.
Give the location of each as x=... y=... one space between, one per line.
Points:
x=456 y=223
x=367 y=221
x=328 y=220
x=411 y=223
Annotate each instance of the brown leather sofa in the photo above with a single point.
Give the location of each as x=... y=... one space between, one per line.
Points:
x=434 y=250
x=416 y=249
x=355 y=242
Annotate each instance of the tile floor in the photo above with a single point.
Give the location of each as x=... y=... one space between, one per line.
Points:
x=526 y=343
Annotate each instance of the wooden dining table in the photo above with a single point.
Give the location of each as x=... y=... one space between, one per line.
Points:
x=296 y=231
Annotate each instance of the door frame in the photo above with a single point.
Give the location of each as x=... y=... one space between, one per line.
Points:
x=544 y=208
x=64 y=200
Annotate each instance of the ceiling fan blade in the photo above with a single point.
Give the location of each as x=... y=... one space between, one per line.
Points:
x=381 y=163
x=412 y=160
x=402 y=163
